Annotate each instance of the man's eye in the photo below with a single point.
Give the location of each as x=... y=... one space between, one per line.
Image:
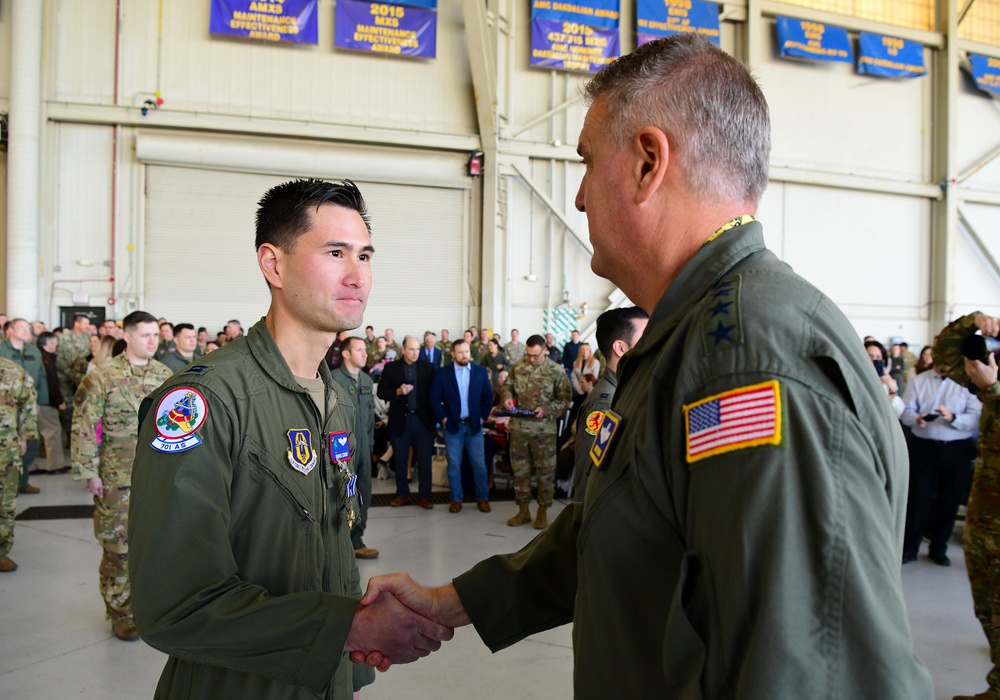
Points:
x=336 y=253
x=364 y=257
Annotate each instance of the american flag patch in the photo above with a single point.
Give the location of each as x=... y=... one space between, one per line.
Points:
x=734 y=420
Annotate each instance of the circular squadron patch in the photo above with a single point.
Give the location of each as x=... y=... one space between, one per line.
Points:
x=594 y=420
x=179 y=415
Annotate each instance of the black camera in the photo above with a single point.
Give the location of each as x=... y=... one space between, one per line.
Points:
x=979 y=347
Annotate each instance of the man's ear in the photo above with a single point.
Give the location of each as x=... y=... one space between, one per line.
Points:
x=651 y=150
x=269 y=260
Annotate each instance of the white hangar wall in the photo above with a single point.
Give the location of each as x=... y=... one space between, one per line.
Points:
x=164 y=198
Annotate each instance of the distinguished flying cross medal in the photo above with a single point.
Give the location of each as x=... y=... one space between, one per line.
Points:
x=301 y=456
x=602 y=441
x=179 y=415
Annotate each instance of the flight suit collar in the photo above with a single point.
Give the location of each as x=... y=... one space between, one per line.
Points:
x=706 y=268
x=272 y=362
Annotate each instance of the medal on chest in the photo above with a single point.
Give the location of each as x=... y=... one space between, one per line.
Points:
x=340 y=455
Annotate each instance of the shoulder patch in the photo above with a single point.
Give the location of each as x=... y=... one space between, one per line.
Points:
x=179 y=415
x=301 y=455
x=602 y=441
x=749 y=416
x=198 y=369
x=594 y=420
x=720 y=317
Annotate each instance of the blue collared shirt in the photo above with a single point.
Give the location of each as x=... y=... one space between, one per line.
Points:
x=926 y=392
x=463 y=375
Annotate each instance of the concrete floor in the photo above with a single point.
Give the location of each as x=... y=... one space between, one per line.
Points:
x=54 y=642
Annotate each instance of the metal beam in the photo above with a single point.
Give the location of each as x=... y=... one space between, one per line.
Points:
x=965 y=10
x=980 y=245
x=540 y=193
x=927 y=38
x=978 y=166
x=848 y=181
x=128 y=116
x=518 y=130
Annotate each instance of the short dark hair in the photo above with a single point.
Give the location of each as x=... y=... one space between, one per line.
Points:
x=285 y=212
x=617 y=324
x=135 y=318
x=183 y=327
x=369 y=328
x=460 y=341
x=44 y=338
x=167 y=323
x=202 y=329
x=535 y=341
x=77 y=317
x=345 y=344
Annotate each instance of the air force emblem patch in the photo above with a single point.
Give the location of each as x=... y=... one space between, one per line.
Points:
x=301 y=456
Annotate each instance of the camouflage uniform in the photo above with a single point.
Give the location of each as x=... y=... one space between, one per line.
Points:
x=18 y=423
x=981 y=535
x=445 y=346
x=112 y=394
x=477 y=349
x=71 y=361
x=514 y=351
x=533 y=440
x=374 y=357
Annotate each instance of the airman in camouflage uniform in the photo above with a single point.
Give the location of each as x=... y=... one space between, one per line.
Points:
x=445 y=344
x=535 y=383
x=18 y=424
x=111 y=395
x=981 y=535
x=71 y=355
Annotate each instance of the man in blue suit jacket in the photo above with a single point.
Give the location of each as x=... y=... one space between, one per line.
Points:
x=461 y=398
x=429 y=352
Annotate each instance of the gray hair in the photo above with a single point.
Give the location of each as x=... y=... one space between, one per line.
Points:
x=705 y=101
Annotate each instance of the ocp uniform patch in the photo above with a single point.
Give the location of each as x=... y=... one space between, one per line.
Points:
x=749 y=416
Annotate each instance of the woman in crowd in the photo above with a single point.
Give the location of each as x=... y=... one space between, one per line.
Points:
x=585 y=363
x=926 y=360
x=876 y=351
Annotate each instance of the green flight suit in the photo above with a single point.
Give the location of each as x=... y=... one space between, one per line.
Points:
x=764 y=572
x=363 y=400
x=981 y=534
x=175 y=361
x=588 y=420
x=242 y=568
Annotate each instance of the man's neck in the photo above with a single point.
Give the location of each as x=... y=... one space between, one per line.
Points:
x=351 y=369
x=16 y=344
x=302 y=348
x=186 y=355
x=137 y=361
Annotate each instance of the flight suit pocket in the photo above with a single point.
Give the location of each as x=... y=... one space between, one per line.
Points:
x=684 y=647
x=278 y=536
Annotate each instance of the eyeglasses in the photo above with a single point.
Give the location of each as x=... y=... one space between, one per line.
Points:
x=533 y=354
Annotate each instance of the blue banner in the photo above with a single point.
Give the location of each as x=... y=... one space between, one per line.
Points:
x=889 y=57
x=986 y=72
x=600 y=14
x=290 y=21
x=386 y=28
x=659 y=18
x=572 y=46
x=800 y=38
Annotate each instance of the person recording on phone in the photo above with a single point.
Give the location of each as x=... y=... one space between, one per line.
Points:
x=981 y=534
x=876 y=351
x=943 y=417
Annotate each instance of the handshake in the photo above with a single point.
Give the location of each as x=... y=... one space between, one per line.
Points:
x=399 y=621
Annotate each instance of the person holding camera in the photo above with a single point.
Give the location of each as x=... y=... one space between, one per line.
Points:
x=981 y=535
x=943 y=417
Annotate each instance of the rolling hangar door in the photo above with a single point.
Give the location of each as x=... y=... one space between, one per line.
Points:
x=200 y=265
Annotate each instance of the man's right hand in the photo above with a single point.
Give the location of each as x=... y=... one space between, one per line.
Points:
x=96 y=486
x=508 y=404
x=983 y=375
x=387 y=631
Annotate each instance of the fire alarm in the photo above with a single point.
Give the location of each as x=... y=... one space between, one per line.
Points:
x=475 y=163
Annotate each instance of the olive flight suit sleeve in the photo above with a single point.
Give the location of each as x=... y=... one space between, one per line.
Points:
x=189 y=599
x=511 y=596
x=789 y=584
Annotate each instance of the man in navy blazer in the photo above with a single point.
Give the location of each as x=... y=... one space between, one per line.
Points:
x=461 y=398
x=428 y=351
